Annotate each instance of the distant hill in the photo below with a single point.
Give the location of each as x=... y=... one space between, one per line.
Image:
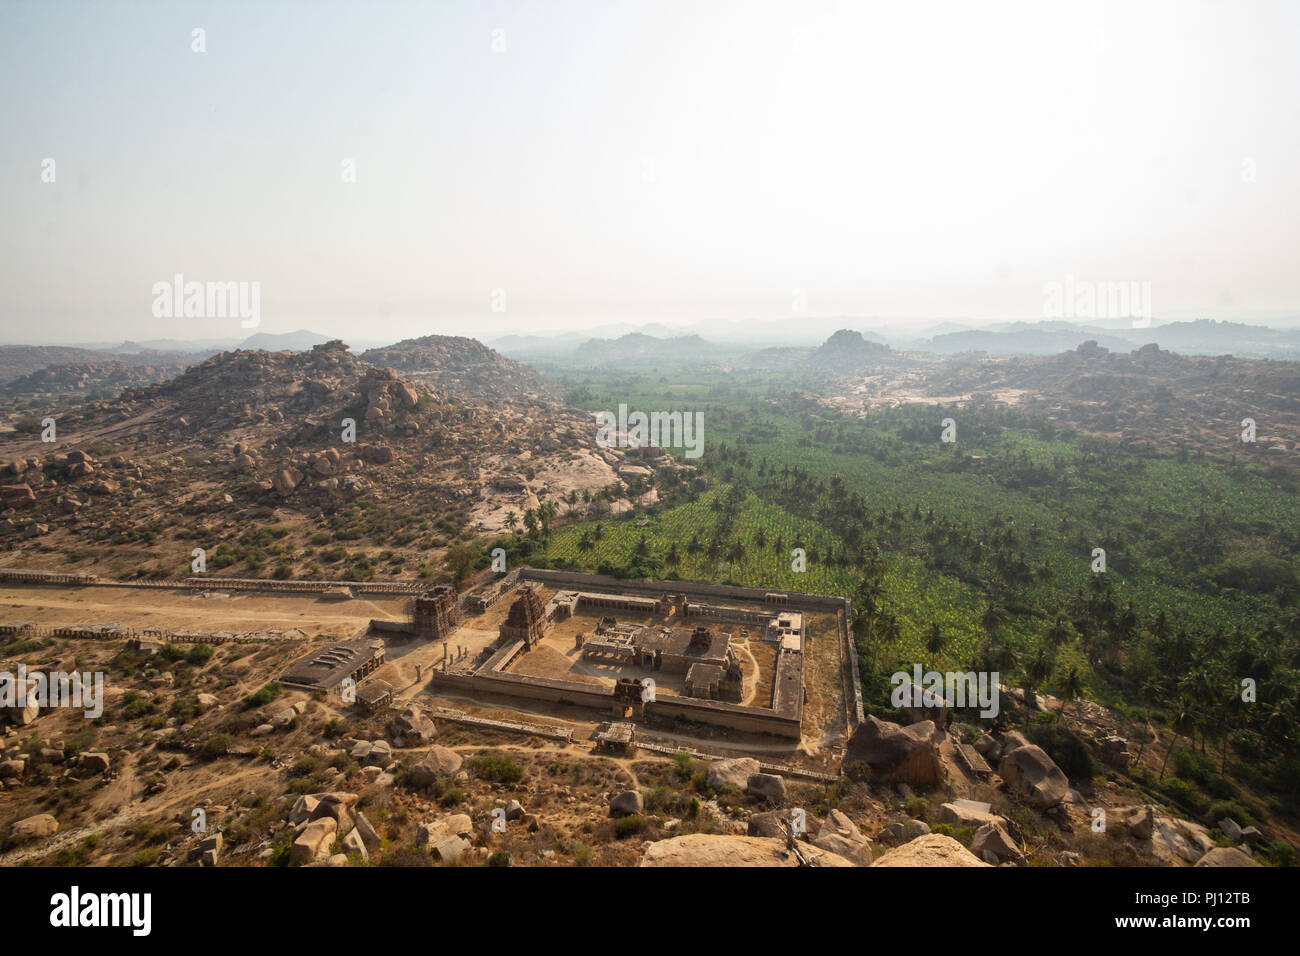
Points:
x=1025 y=339
x=1209 y=337
x=525 y=347
x=298 y=341
x=639 y=347
x=462 y=366
x=848 y=351
x=1202 y=337
x=101 y=379
x=18 y=361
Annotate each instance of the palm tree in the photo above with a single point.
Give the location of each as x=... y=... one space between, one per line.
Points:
x=512 y=520
x=1037 y=671
x=935 y=640
x=1072 y=689
x=1150 y=692
x=1184 y=721
x=1058 y=633
x=994 y=618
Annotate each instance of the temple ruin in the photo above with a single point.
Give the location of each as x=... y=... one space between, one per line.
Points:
x=437 y=612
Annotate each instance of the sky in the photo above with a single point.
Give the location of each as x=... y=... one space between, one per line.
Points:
x=532 y=167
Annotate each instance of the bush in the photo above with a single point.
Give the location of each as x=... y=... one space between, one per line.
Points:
x=496 y=767
x=963 y=835
x=261 y=698
x=918 y=808
x=199 y=654
x=1185 y=794
x=683 y=765
x=215 y=746
x=1068 y=750
x=627 y=826
x=582 y=853
x=1193 y=766
x=1231 y=809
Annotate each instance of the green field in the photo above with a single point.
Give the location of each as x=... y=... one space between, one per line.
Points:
x=990 y=540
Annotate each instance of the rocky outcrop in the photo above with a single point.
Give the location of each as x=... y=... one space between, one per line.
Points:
x=35 y=827
x=705 y=849
x=465 y=365
x=1227 y=856
x=933 y=849
x=968 y=813
x=412 y=727
x=314 y=842
x=896 y=754
x=285 y=481
x=438 y=763
x=766 y=786
x=994 y=845
x=1028 y=770
x=731 y=773
x=626 y=803
x=1177 y=842
x=841 y=836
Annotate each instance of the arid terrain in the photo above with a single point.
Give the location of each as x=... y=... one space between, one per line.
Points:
x=402 y=468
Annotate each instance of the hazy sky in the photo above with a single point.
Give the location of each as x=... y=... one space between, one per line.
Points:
x=640 y=161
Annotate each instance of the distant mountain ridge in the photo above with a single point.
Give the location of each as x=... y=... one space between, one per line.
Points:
x=298 y=341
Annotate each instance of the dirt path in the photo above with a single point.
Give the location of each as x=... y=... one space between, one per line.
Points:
x=185 y=797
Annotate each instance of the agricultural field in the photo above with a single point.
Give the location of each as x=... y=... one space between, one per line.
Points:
x=978 y=553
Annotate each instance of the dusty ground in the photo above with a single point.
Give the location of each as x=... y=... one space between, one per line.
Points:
x=180 y=610
x=554 y=477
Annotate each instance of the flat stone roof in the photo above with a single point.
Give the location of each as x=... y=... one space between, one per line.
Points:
x=327 y=666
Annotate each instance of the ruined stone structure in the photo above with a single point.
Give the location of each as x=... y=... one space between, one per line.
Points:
x=485 y=597
x=437 y=612
x=327 y=667
x=616 y=737
x=714 y=682
x=629 y=698
x=527 y=620
x=688 y=639
x=373 y=695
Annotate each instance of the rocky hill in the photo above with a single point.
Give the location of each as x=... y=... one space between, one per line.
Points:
x=849 y=352
x=17 y=361
x=464 y=367
x=1150 y=397
x=99 y=379
x=636 y=348
x=263 y=453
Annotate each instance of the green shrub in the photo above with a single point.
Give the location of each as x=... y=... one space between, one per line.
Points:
x=1068 y=750
x=215 y=746
x=199 y=654
x=627 y=826
x=496 y=767
x=261 y=698
x=1232 y=809
x=918 y=808
x=683 y=765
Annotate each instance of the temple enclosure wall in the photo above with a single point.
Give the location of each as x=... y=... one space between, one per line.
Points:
x=575 y=580
x=736 y=716
x=784 y=719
